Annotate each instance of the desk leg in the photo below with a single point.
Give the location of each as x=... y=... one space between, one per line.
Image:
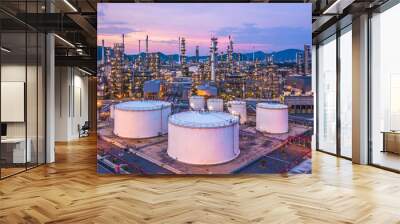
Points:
x=384 y=142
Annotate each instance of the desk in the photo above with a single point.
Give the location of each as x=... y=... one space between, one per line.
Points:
x=391 y=141
x=17 y=147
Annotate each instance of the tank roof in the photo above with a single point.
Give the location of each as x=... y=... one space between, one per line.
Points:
x=236 y=102
x=272 y=106
x=142 y=105
x=215 y=100
x=197 y=97
x=197 y=119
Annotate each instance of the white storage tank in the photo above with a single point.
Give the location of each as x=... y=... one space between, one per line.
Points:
x=272 y=118
x=214 y=104
x=238 y=108
x=197 y=102
x=141 y=119
x=203 y=138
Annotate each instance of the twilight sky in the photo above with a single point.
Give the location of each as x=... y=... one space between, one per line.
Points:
x=259 y=26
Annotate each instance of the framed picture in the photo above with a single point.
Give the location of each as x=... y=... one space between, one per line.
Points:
x=204 y=88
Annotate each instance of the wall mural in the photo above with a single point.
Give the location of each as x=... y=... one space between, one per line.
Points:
x=204 y=88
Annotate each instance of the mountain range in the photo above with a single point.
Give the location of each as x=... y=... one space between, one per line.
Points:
x=288 y=55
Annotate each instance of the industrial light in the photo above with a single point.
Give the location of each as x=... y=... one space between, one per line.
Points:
x=5 y=50
x=70 y=5
x=337 y=5
x=86 y=72
x=64 y=40
x=331 y=7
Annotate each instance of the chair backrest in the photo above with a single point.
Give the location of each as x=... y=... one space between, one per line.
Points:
x=86 y=125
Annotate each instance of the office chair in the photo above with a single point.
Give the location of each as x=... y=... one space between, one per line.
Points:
x=84 y=130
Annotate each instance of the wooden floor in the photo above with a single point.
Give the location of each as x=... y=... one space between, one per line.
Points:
x=70 y=191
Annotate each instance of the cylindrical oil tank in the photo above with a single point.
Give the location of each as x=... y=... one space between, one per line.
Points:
x=203 y=138
x=214 y=104
x=196 y=102
x=238 y=108
x=141 y=119
x=272 y=118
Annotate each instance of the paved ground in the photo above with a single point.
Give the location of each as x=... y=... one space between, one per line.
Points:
x=150 y=155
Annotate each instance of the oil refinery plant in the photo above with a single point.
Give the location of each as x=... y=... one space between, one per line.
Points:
x=213 y=114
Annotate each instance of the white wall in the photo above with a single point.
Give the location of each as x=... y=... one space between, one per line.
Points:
x=81 y=84
x=62 y=83
x=16 y=73
x=71 y=102
x=12 y=73
x=33 y=127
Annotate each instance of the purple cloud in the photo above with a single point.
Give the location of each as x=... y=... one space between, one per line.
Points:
x=268 y=27
x=111 y=30
x=278 y=36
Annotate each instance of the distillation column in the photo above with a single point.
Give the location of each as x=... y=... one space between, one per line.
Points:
x=213 y=52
